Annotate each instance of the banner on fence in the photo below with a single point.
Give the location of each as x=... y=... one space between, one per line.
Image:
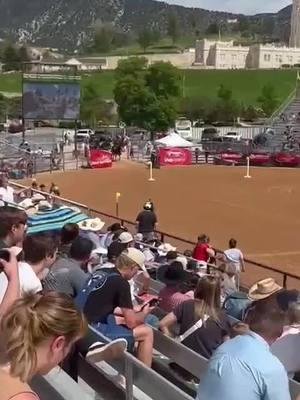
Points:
x=100 y=158
x=287 y=159
x=260 y=158
x=228 y=158
x=175 y=156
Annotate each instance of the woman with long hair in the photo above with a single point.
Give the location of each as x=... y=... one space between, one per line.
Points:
x=37 y=333
x=203 y=324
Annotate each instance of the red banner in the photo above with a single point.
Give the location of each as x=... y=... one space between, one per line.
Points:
x=175 y=156
x=229 y=158
x=259 y=158
x=287 y=159
x=100 y=158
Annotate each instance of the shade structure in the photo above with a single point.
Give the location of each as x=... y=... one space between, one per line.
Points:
x=44 y=221
x=173 y=140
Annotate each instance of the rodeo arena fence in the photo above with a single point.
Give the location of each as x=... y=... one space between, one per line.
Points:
x=127 y=377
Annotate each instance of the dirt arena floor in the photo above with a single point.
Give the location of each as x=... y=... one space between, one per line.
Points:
x=262 y=213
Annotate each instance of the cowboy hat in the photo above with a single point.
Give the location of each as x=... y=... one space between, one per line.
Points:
x=164 y=249
x=37 y=197
x=263 y=289
x=44 y=205
x=171 y=274
x=92 y=224
x=26 y=203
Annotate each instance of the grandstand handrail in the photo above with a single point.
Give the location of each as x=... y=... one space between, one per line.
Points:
x=192 y=361
x=162 y=234
x=158 y=381
x=59 y=385
x=279 y=110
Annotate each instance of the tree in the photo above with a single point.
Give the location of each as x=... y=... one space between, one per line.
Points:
x=243 y=24
x=145 y=39
x=268 y=99
x=147 y=97
x=93 y=108
x=104 y=36
x=224 y=93
x=11 y=59
x=23 y=54
x=133 y=66
x=163 y=79
x=173 y=28
x=213 y=29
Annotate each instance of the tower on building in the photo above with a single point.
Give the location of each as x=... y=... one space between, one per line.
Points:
x=295 y=25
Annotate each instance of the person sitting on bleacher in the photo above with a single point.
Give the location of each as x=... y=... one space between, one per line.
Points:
x=39 y=253
x=171 y=296
x=67 y=275
x=12 y=226
x=203 y=325
x=68 y=234
x=244 y=367
x=107 y=304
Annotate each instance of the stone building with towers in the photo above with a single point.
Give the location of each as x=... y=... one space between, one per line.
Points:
x=295 y=25
x=218 y=54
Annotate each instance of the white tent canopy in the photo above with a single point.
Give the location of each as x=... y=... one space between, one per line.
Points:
x=173 y=140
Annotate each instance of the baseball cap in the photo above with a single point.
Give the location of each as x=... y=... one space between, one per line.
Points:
x=137 y=256
x=125 y=237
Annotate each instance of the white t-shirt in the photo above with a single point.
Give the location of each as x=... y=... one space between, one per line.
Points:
x=235 y=256
x=29 y=282
x=7 y=194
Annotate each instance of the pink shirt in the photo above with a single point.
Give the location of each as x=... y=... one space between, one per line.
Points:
x=170 y=298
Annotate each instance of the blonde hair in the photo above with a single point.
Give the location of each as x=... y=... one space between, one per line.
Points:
x=32 y=320
x=124 y=262
x=208 y=298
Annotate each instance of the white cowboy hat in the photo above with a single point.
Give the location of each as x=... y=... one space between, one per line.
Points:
x=164 y=249
x=37 y=197
x=26 y=203
x=263 y=289
x=92 y=224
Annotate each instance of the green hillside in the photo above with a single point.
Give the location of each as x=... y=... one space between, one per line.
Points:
x=245 y=85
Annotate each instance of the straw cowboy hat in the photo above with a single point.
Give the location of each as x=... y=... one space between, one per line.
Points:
x=92 y=225
x=263 y=289
x=164 y=249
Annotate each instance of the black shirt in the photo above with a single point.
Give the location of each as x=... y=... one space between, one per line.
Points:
x=206 y=339
x=147 y=221
x=114 y=293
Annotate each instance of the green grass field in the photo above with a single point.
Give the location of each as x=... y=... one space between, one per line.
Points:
x=245 y=85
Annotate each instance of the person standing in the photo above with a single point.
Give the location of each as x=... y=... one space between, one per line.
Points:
x=146 y=220
x=244 y=367
x=203 y=250
x=234 y=256
x=197 y=153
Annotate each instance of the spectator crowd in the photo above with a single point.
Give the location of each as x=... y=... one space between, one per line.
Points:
x=55 y=285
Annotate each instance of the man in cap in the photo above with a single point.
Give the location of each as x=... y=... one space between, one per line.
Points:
x=146 y=220
x=113 y=297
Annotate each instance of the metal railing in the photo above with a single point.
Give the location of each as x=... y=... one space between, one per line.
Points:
x=281 y=108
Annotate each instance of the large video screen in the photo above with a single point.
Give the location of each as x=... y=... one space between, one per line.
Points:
x=51 y=100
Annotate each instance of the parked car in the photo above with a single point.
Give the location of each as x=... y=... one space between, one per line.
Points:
x=210 y=134
x=235 y=136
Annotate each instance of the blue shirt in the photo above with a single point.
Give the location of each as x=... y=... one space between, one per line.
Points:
x=244 y=368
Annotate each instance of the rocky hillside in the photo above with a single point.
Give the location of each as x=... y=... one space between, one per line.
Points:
x=69 y=24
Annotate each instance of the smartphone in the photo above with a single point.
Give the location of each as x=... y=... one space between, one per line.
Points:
x=151 y=303
x=4 y=255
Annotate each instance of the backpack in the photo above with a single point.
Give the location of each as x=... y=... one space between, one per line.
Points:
x=236 y=304
x=95 y=282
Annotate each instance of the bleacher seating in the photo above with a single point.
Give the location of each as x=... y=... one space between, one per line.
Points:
x=128 y=378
